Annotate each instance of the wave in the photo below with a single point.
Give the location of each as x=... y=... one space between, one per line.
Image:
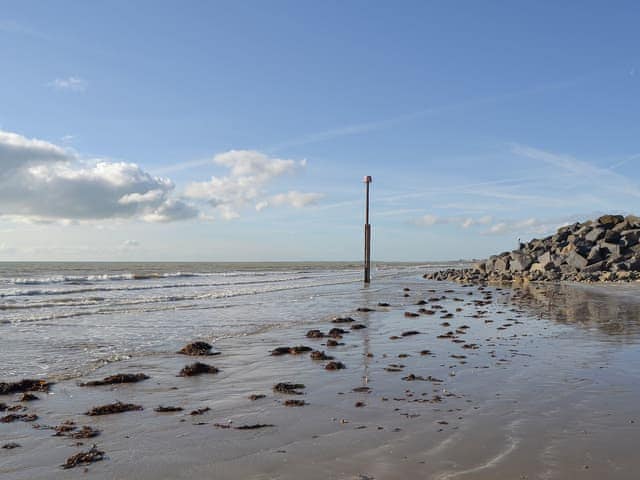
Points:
x=168 y=299
x=87 y=289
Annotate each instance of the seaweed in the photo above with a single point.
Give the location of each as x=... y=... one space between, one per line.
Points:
x=197 y=368
x=197 y=349
x=117 y=407
x=84 y=458
x=25 y=385
x=116 y=379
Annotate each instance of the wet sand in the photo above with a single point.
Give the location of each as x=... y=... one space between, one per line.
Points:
x=550 y=391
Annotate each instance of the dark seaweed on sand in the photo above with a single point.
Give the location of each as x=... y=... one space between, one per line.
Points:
x=117 y=407
x=14 y=417
x=84 y=458
x=254 y=426
x=26 y=385
x=335 y=366
x=289 y=388
x=197 y=369
x=197 y=349
x=161 y=409
x=116 y=379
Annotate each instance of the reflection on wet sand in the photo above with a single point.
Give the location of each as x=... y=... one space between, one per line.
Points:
x=611 y=310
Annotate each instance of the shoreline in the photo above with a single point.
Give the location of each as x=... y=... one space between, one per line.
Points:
x=515 y=394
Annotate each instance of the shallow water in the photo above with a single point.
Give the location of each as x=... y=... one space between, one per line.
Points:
x=65 y=319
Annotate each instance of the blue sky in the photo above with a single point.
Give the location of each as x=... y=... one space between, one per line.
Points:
x=480 y=122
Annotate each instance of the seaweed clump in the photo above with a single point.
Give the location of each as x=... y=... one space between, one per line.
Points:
x=84 y=458
x=197 y=349
x=197 y=368
x=117 y=407
x=288 y=388
x=25 y=385
x=117 y=379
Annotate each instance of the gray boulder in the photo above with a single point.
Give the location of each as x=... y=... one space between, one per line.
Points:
x=520 y=262
x=577 y=261
x=595 y=234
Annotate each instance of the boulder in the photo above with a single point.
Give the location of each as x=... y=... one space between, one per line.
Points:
x=545 y=259
x=609 y=221
x=596 y=254
x=501 y=265
x=520 y=262
x=595 y=234
x=577 y=261
x=629 y=238
x=633 y=221
x=595 y=267
x=612 y=236
x=613 y=248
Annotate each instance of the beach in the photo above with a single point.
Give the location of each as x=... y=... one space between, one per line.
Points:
x=447 y=381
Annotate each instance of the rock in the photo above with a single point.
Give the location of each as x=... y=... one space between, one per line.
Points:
x=612 y=237
x=595 y=234
x=577 y=261
x=520 y=262
x=629 y=238
x=595 y=267
x=609 y=221
x=578 y=252
x=501 y=265
x=633 y=221
x=613 y=248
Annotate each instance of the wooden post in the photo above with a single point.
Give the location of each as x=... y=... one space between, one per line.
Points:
x=367 y=235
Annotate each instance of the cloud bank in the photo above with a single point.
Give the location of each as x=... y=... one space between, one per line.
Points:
x=44 y=182
x=40 y=181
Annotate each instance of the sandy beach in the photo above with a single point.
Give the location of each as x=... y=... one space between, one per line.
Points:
x=533 y=382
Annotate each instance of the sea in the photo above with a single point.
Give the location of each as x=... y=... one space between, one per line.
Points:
x=64 y=320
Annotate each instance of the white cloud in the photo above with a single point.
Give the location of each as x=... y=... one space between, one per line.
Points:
x=42 y=182
x=250 y=163
x=130 y=244
x=295 y=199
x=72 y=83
x=430 y=220
x=170 y=211
x=526 y=226
x=250 y=172
x=533 y=225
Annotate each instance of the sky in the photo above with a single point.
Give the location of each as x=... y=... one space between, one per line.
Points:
x=241 y=130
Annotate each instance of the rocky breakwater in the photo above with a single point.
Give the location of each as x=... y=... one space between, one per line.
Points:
x=602 y=250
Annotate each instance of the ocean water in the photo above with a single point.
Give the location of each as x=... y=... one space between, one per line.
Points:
x=63 y=320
